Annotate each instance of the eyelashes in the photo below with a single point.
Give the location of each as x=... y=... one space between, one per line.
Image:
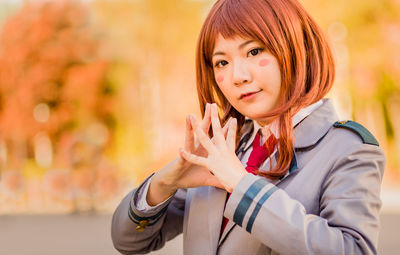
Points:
x=222 y=62
x=255 y=51
x=250 y=53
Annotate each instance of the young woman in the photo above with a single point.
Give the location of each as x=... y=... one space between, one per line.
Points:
x=296 y=181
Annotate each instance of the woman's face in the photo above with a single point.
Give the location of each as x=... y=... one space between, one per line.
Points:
x=247 y=75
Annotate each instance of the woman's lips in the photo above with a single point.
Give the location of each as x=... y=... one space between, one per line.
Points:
x=249 y=95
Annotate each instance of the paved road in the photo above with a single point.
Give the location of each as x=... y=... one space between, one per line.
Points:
x=89 y=234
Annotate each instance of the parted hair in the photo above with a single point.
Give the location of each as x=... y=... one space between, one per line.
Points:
x=290 y=34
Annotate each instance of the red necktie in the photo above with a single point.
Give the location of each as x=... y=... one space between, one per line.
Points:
x=257 y=156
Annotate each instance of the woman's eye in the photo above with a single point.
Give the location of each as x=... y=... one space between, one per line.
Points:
x=221 y=63
x=254 y=52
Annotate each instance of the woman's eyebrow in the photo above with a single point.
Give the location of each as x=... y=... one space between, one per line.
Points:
x=245 y=43
x=240 y=47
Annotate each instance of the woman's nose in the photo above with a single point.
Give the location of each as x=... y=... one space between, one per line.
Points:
x=241 y=73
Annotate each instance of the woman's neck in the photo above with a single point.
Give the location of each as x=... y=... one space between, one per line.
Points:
x=264 y=123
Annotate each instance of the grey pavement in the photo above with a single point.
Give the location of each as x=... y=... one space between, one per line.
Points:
x=90 y=234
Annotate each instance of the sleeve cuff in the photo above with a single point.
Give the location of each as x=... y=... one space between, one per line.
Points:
x=149 y=216
x=140 y=201
x=247 y=198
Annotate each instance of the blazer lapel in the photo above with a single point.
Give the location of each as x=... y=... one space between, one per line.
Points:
x=306 y=134
x=216 y=205
x=312 y=128
x=203 y=214
x=229 y=227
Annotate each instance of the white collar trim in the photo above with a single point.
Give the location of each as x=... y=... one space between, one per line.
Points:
x=274 y=127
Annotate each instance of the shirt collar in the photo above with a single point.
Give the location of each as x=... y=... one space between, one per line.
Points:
x=274 y=127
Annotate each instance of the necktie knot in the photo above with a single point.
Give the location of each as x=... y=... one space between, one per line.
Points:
x=260 y=152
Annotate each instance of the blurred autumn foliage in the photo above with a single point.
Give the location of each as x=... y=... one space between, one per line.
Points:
x=94 y=94
x=55 y=100
x=366 y=38
x=52 y=79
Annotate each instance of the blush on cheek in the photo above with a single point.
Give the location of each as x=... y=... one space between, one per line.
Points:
x=220 y=78
x=264 y=62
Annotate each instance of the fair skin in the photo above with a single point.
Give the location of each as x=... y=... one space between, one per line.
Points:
x=181 y=173
x=242 y=66
x=249 y=77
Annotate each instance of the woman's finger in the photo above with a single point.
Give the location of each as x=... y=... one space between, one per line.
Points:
x=201 y=136
x=192 y=158
x=205 y=123
x=231 y=136
x=226 y=127
x=189 y=136
x=216 y=126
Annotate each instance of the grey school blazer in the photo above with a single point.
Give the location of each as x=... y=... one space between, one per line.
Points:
x=328 y=203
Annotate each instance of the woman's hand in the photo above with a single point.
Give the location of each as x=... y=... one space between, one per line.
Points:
x=181 y=173
x=221 y=159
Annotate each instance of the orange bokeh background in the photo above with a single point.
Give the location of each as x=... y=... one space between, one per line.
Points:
x=94 y=94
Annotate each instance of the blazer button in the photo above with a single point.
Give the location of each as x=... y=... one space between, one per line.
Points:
x=139 y=228
x=142 y=225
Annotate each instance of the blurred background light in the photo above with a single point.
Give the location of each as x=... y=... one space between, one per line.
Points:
x=41 y=112
x=94 y=94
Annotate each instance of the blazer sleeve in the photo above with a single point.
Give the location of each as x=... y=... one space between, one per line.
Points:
x=348 y=222
x=137 y=232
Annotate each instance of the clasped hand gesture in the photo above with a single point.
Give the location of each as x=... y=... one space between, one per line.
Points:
x=202 y=161
x=215 y=156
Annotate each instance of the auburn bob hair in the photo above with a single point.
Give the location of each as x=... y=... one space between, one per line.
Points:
x=292 y=36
